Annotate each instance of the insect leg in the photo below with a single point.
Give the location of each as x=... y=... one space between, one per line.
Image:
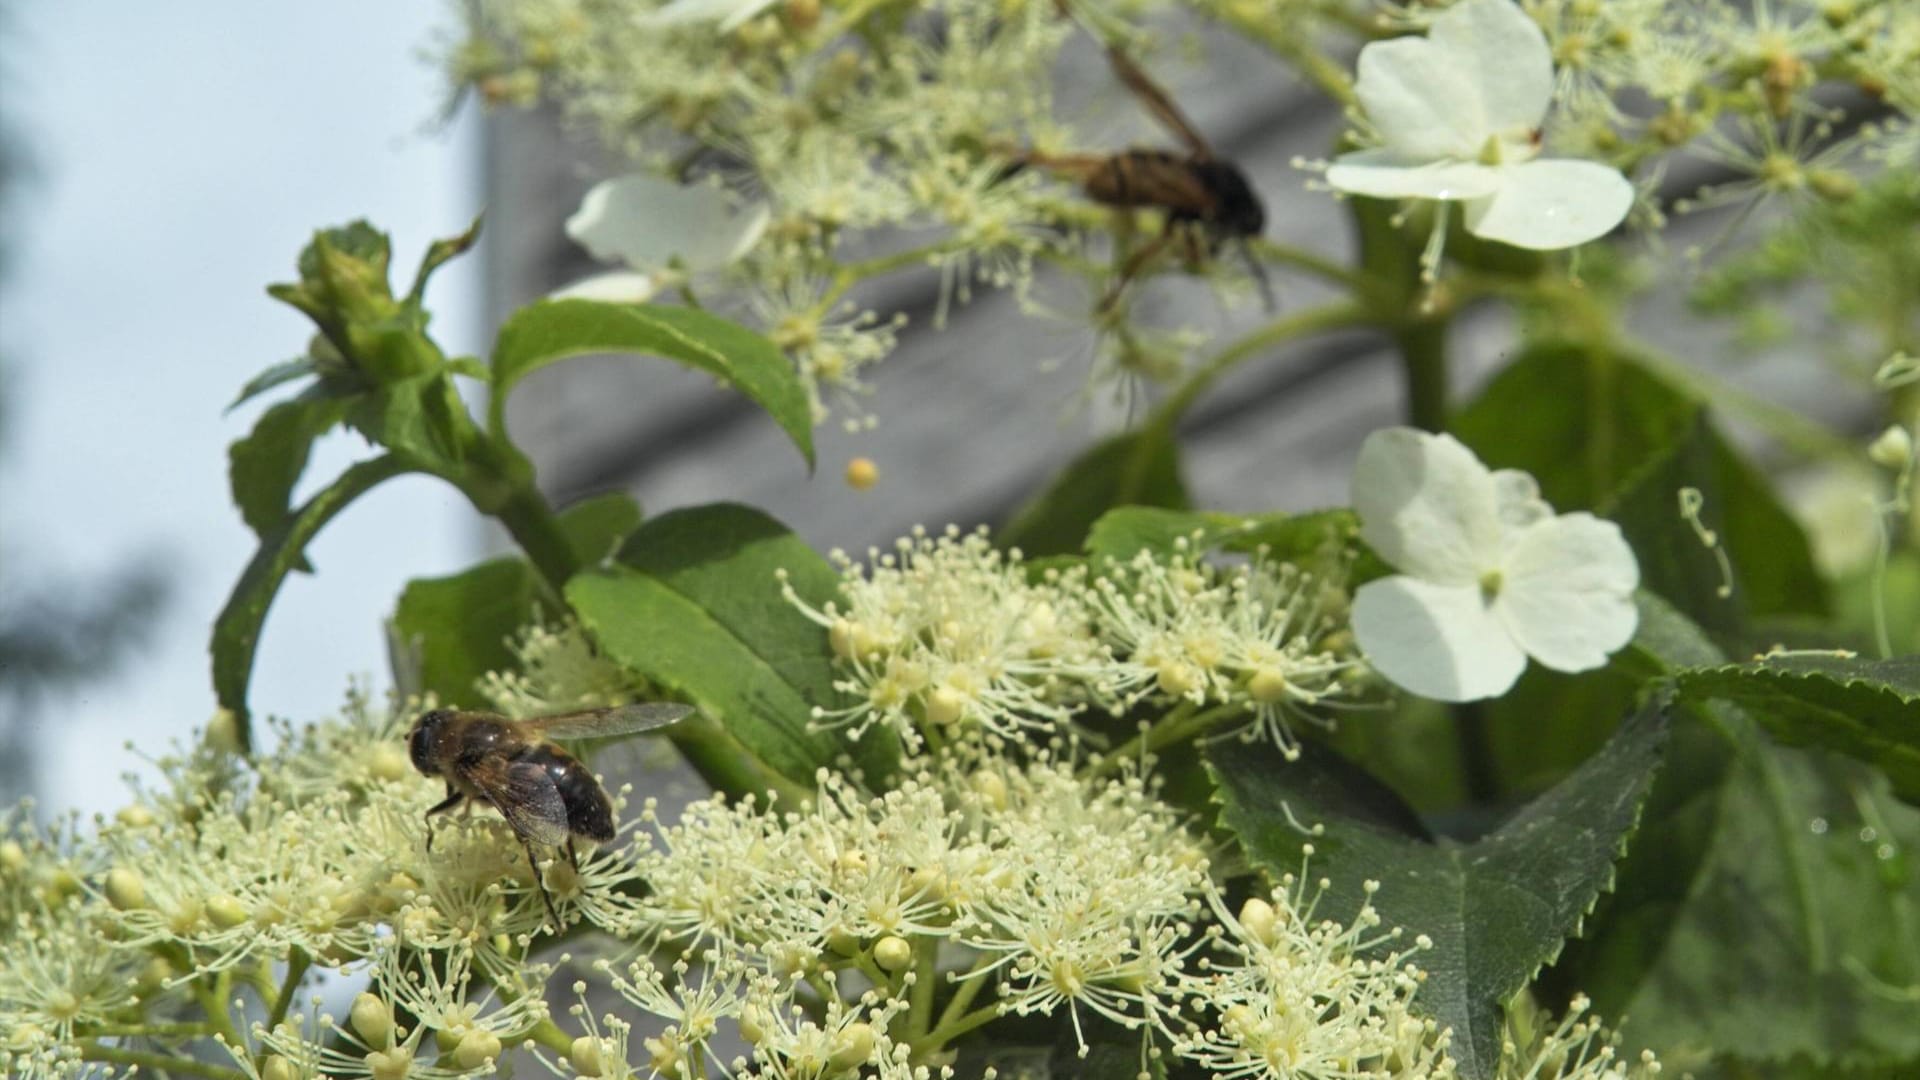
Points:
x=572 y=856
x=453 y=798
x=1132 y=267
x=541 y=884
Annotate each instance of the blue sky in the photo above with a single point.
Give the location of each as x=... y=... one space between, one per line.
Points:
x=184 y=154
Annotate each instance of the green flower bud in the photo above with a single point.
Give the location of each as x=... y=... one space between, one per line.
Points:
x=852 y=1047
x=1258 y=917
x=588 y=1055
x=13 y=857
x=126 y=889
x=276 y=1067
x=476 y=1048
x=373 y=1021
x=389 y=1064
x=134 y=817
x=892 y=953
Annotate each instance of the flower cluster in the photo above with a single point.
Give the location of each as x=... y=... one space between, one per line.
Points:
x=832 y=144
x=950 y=641
x=860 y=935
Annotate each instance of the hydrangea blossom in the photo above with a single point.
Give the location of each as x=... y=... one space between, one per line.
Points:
x=656 y=226
x=1489 y=574
x=1459 y=118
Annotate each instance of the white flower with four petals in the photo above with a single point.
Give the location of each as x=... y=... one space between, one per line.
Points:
x=1489 y=574
x=1458 y=113
x=656 y=227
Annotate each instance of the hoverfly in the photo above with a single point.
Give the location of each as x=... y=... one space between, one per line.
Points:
x=545 y=794
x=1205 y=197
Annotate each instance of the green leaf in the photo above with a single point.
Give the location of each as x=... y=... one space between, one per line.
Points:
x=553 y=330
x=1497 y=909
x=263 y=468
x=419 y=416
x=236 y=630
x=438 y=253
x=1868 y=709
x=284 y=372
x=1138 y=468
x=595 y=526
x=458 y=627
x=1772 y=563
x=1796 y=941
x=694 y=605
x=1766 y=912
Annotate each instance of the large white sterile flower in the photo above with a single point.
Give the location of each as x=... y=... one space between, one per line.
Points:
x=655 y=225
x=1459 y=113
x=1489 y=574
x=728 y=13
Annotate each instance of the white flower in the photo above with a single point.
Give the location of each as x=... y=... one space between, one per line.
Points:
x=654 y=226
x=728 y=13
x=1459 y=115
x=1490 y=575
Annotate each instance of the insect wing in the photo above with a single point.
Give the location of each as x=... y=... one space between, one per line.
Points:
x=602 y=723
x=1158 y=103
x=525 y=795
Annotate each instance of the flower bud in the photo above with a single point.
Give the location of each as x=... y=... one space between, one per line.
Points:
x=13 y=857
x=1894 y=448
x=126 y=889
x=390 y=1064
x=1257 y=916
x=588 y=1055
x=852 y=1047
x=276 y=1067
x=892 y=953
x=862 y=474
x=1268 y=685
x=753 y=1025
x=134 y=817
x=477 y=1047
x=373 y=1021
x=945 y=706
x=223 y=731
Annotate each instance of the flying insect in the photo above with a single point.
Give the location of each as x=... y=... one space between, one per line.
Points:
x=547 y=796
x=1205 y=197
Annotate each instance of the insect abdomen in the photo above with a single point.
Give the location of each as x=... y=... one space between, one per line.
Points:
x=589 y=814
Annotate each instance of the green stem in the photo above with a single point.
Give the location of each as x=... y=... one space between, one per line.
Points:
x=1178 y=726
x=926 y=969
x=722 y=762
x=964 y=994
x=1299 y=324
x=297 y=963
x=1423 y=354
x=532 y=524
x=159 y=1063
x=1316 y=264
x=549 y=1034
x=947 y=1032
x=1476 y=752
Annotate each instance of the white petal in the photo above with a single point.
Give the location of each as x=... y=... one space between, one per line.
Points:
x=728 y=13
x=1550 y=204
x=613 y=287
x=1507 y=56
x=1422 y=100
x=1439 y=641
x=1518 y=494
x=647 y=222
x=1386 y=174
x=1566 y=592
x=1427 y=505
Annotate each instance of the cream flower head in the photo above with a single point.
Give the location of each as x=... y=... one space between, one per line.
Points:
x=1489 y=574
x=1459 y=113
